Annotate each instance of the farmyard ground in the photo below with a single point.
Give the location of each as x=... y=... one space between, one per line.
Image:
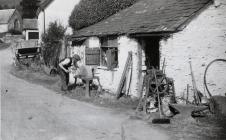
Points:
x=32 y=110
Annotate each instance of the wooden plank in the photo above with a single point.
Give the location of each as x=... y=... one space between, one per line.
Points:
x=87 y=94
x=123 y=77
x=129 y=79
x=92 y=56
x=187 y=94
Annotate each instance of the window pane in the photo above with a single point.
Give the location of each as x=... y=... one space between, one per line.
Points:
x=33 y=35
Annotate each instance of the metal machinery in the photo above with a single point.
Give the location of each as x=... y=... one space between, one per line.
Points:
x=26 y=51
x=155 y=81
x=23 y=54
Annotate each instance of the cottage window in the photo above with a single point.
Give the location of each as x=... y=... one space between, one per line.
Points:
x=109 y=52
x=106 y=55
x=33 y=35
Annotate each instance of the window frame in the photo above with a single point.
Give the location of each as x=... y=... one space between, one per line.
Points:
x=107 y=44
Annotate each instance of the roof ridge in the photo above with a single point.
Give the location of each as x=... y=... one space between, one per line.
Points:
x=11 y=15
x=5 y=15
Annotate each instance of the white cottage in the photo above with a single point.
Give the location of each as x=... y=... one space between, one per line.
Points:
x=54 y=10
x=10 y=20
x=179 y=31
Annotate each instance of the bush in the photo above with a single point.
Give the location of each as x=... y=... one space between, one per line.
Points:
x=88 y=12
x=15 y=32
x=51 y=45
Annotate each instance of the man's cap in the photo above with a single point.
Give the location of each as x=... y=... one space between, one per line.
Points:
x=76 y=57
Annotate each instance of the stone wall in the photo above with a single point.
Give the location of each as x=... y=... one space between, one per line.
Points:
x=203 y=40
x=14 y=17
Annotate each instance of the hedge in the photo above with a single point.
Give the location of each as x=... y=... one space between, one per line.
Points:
x=89 y=12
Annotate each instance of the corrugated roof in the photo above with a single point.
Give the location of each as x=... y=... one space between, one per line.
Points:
x=146 y=16
x=30 y=24
x=5 y=15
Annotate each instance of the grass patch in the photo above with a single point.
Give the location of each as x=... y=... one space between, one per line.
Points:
x=104 y=99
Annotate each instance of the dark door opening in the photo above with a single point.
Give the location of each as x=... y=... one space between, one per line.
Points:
x=152 y=53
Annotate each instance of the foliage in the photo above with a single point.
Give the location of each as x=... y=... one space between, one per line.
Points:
x=51 y=46
x=54 y=33
x=88 y=12
x=4 y=7
x=15 y=32
x=29 y=8
x=10 y=3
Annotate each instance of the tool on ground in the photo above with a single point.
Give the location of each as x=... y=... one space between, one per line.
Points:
x=187 y=94
x=205 y=83
x=162 y=119
x=197 y=98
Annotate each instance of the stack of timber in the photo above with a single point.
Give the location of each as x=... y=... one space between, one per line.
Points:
x=126 y=76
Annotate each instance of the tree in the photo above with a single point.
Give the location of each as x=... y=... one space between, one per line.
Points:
x=52 y=43
x=12 y=7
x=88 y=12
x=5 y=7
x=29 y=8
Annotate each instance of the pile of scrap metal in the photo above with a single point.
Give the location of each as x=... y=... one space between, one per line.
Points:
x=159 y=93
x=203 y=106
x=159 y=96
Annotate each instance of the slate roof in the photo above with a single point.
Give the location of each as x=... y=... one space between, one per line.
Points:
x=5 y=15
x=45 y=3
x=146 y=16
x=30 y=24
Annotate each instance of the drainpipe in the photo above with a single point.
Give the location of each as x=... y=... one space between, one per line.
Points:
x=44 y=20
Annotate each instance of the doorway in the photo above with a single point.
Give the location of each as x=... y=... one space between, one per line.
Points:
x=152 y=52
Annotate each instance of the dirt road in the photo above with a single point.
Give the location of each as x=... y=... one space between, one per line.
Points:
x=32 y=112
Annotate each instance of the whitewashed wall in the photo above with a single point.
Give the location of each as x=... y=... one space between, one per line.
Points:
x=26 y=32
x=203 y=40
x=3 y=28
x=79 y=50
x=110 y=79
x=59 y=11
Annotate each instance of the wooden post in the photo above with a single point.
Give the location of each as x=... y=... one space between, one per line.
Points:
x=196 y=97
x=187 y=94
x=123 y=77
x=183 y=96
x=163 y=66
x=146 y=95
x=87 y=88
x=141 y=87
